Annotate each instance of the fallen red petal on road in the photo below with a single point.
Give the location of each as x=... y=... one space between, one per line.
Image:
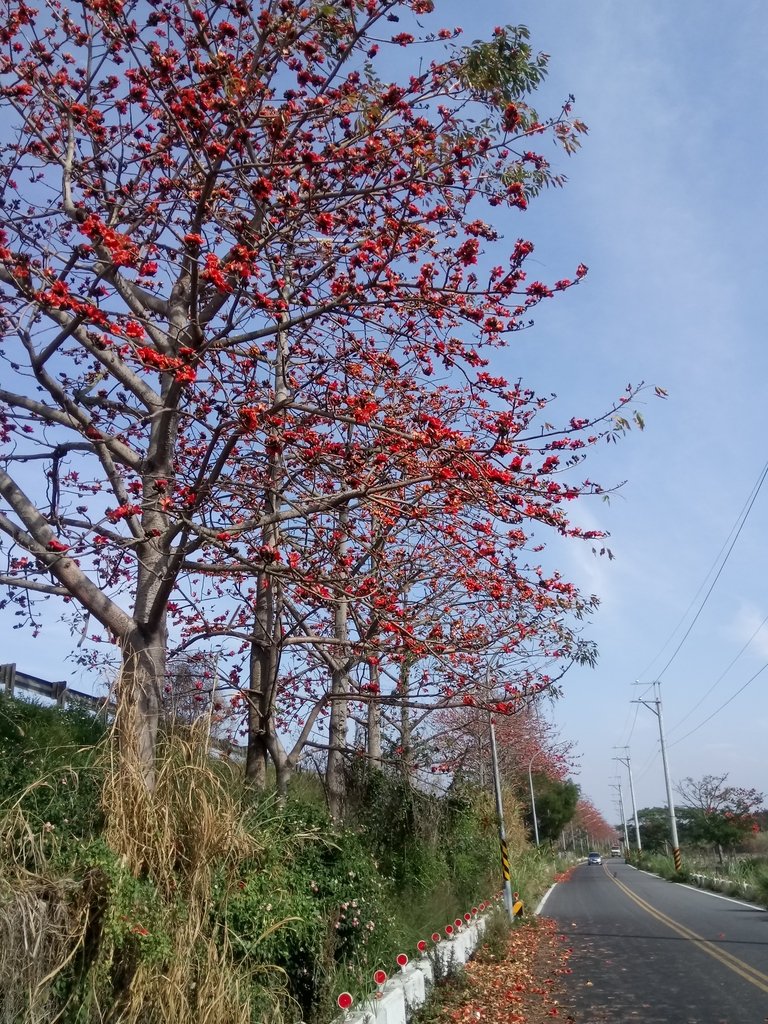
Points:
x=526 y=976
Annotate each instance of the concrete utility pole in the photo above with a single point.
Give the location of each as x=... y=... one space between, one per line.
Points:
x=628 y=762
x=533 y=802
x=655 y=706
x=499 y=805
x=621 y=811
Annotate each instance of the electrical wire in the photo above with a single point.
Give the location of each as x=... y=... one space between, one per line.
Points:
x=631 y=728
x=648 y=764
x=727 y=547
x=719 y=679
x=756 y=490
x=738 y=525
x=723 y=705
x=637 y=711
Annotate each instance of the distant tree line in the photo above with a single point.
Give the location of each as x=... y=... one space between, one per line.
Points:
x=711 y=815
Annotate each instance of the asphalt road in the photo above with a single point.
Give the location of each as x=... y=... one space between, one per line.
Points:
x=650 y=951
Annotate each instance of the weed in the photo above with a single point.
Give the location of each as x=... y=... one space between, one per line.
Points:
x=450 y=989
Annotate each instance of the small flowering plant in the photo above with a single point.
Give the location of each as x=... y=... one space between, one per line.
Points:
x=313 y=899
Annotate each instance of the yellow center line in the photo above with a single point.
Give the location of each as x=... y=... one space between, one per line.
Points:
x=745 y=970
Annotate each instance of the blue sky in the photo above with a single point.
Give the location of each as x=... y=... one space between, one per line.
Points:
x=666 y=205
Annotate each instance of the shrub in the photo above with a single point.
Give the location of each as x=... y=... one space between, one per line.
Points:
x=202 y=899
x=313 y=903
x=136 y=929
x=48 y=760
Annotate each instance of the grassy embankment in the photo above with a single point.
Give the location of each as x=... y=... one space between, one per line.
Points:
x=207 y=902
x=743 y=876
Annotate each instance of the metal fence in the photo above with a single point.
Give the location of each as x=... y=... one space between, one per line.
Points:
x=11 y=681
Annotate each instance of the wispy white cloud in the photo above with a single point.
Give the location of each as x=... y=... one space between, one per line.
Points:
x=581 y=561
x=749 y=625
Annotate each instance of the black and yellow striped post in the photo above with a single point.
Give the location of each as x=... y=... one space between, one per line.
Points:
x=504 y=860
x=677 y=858
x=500 y=815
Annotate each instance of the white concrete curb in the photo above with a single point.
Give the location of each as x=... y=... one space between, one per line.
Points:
x=409 y=988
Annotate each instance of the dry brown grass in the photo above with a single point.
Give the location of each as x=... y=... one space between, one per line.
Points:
x=39 y=931
x=41 y=919
x=74 y=948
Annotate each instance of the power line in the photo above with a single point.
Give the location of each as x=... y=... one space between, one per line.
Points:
x=649 y=763
x=723 y=705
x=756 y=491
x=631 y=730
x=727 y=547
x=720 y=678
x=738 y=525
x=733 y=536
x=634 y=720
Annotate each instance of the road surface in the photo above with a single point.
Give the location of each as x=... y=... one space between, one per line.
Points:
x=653 y=952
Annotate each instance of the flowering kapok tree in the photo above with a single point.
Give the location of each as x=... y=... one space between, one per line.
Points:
x=590 y=825
x=420 y=585
x=225 y=238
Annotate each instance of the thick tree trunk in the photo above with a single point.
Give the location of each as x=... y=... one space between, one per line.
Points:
x=262 y=684
x=406 y=752
x=335 y=776
x=145 y=648
x=267 y=633
x=283 y=765
x=257 y=752
x=139 y=690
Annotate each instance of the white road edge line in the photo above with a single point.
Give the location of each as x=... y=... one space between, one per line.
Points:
x=704 y=892
x=719 y=896
x=543 y=900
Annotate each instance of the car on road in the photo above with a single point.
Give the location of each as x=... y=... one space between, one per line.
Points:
x=615 y=851
x=594 y=858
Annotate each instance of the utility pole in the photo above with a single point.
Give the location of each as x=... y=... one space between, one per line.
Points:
x=621 y=811
x=533 y=801
x=628 y=762
x=499 y=804
x=655 y=706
